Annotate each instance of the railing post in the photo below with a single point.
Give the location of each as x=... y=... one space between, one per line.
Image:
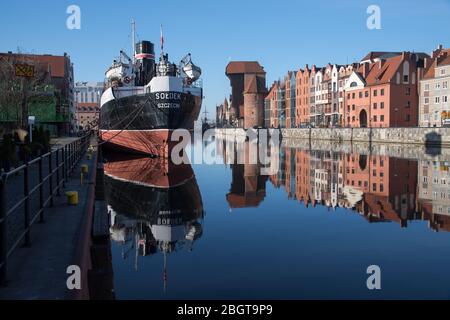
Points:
x=3 y=233
x=41 y=191
x=65 y=164
x=69 y=159
x=50 y=178
x=57 y=173
x=26 y=194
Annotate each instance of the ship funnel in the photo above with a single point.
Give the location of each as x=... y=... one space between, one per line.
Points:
x=145 y=62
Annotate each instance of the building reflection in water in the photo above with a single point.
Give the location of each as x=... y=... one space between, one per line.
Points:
x=248 y=184
x=378 y=187
x=154 y=205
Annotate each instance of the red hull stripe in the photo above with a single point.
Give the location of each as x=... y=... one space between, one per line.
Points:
x=153 y=142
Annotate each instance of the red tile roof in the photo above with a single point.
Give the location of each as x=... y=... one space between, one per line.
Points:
x=382 y=73
x=244 y=67
x=377 y=54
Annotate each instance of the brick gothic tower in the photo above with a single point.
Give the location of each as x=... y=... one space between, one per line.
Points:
x=248 y=90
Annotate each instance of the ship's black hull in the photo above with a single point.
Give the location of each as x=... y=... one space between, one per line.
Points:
x=144 y=123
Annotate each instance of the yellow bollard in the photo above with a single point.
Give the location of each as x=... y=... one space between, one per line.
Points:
x=72 y=197
x=84 y=168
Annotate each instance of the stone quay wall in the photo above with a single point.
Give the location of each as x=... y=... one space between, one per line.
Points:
x=439 y=137
x=404 y=151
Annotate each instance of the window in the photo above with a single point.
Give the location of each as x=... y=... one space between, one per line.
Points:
x=374 y=105
x=374 y=187
x=382 y=105
x=444 y=85
x=437 y=100
x=381 y=187
x=426 y=100
x=374 y=93
x=360 y=94
x=437 y=86
x=366 y=93
x=408 y=104
x=442 y=72
x=382 y=92
x=408 y=91
x=353 y=107
x=444 y=99
x=353 y=84
x=405 y=78
x=374 y=173
x=348 y=96
x=427 y=87
x=353 y=119
x=353 y=95
x=382 y=118
x=374 y=118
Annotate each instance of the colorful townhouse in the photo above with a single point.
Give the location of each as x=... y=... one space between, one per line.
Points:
x=381 y=90
x=434 y=90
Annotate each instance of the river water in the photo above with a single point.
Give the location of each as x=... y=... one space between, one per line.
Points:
x=309 y=229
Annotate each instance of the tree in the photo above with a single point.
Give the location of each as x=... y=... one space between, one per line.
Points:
x=16 y=89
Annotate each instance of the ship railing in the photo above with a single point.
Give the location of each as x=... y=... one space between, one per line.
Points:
x=46 y=174
x=121 y=92
x=197 y=83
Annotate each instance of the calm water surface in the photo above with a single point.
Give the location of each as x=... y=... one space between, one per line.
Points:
x=309 y=230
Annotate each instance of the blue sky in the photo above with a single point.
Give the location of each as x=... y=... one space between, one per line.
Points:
x=282 y=35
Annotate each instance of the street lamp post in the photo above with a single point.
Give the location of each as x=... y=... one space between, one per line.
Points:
x=396 y=116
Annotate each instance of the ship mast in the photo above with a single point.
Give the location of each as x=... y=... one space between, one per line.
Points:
x=133 y=40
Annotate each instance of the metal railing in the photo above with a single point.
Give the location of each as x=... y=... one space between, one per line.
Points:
x=59 y=164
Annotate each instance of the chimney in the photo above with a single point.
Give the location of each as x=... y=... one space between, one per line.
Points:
x=436 y=52
x=365 y=69
x=441 y=57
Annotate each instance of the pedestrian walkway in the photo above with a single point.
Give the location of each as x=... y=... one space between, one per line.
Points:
x=62 y=141
x=39 y=271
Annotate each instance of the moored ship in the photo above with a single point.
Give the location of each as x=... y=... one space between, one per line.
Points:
x=146 y=101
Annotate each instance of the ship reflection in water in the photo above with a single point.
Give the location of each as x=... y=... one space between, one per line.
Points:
x=309 y=229
x=154 y=205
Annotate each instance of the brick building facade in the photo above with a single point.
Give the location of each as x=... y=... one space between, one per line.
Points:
x=248 y=89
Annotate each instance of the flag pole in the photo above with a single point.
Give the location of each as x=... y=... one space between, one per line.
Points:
x=161 y=40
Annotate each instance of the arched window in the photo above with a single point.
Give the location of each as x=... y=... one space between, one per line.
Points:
x=353 y=84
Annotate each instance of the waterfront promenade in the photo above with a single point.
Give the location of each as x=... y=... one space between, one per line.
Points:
x=38 y=271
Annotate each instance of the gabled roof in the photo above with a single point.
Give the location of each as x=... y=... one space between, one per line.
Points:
x=254 y=84
x=379 y=55
x=384 y=72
